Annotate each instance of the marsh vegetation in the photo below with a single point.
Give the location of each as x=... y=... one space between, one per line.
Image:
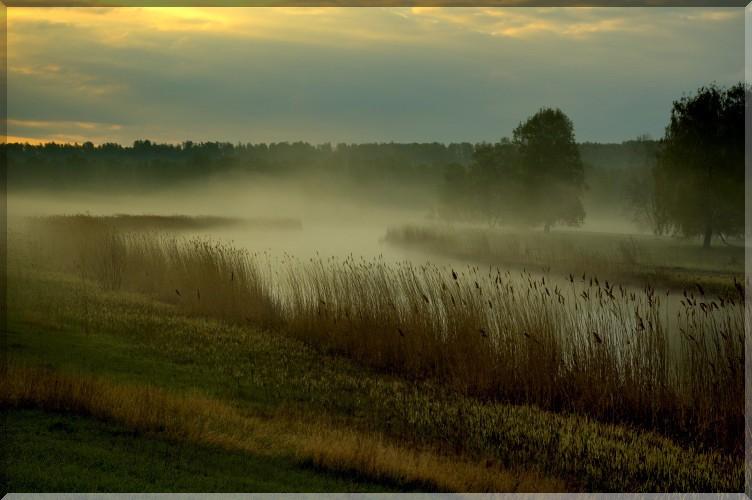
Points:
x=155 y=366
x=488 y=338
x=447 y=334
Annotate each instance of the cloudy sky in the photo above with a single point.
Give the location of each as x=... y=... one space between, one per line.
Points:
x=357 y=74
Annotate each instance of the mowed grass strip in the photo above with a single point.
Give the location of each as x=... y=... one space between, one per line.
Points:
x=200 y=420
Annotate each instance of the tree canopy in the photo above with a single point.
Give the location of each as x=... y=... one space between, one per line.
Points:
x=537 y=178
x=552 y=174
x=699 y=175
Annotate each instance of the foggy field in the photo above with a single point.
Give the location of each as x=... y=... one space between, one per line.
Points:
x=457 y=355
x=379 y=249
x=80 y=330
x=491 y=337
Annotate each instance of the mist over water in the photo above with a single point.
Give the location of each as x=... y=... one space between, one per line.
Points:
x=329 y=228
x=280 y=249
x=337 y=226
x=331 y=224
x=298 y=219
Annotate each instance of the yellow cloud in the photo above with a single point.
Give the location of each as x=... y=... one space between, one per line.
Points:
x=713 y=15
x=56 y=138
x=46 y=124
x=574 y=22
x=333 y=25
x=124 y=26
x=16 y=139
x=57 y=75
x=60 y=131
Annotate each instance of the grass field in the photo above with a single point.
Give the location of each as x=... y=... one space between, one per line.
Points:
x=65 y=452
x=81 y=348
x=132 y=344
x=137 y=342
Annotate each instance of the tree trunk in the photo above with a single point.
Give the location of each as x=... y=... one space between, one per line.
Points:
x=708 y=236
x=708 y=206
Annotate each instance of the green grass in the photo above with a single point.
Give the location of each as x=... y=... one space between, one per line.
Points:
x=129 y=338
x=136 y=340
x=69 y=453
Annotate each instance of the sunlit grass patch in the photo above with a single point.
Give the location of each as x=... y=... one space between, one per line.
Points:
x=197 y=419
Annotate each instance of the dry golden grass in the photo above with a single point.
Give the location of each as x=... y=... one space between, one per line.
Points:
x=381 y=460
x=615 y=353
x=212 y=422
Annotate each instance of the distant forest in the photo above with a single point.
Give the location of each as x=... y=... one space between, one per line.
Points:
x=689 y=183
x=147 y=165
x=407 y=175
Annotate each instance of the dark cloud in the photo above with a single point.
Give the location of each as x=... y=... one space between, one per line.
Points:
x=352 y=75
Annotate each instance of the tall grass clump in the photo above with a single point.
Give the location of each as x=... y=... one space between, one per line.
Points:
x=197 y=274
x=630 y=355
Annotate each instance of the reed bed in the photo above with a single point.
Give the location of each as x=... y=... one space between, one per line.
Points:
x=611 y=352
x=577 y=345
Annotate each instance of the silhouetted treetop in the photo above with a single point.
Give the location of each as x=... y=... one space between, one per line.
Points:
x=699 y=176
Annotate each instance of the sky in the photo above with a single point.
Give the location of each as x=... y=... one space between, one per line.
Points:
x=338 y=74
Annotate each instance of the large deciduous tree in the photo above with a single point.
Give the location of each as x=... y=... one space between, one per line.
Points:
x=552 y=174
x=699 y=175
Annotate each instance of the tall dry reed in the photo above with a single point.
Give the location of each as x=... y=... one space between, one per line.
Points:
x=618 y=354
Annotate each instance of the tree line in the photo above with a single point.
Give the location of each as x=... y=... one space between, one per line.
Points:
x=146 y=163
x=690 y=182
